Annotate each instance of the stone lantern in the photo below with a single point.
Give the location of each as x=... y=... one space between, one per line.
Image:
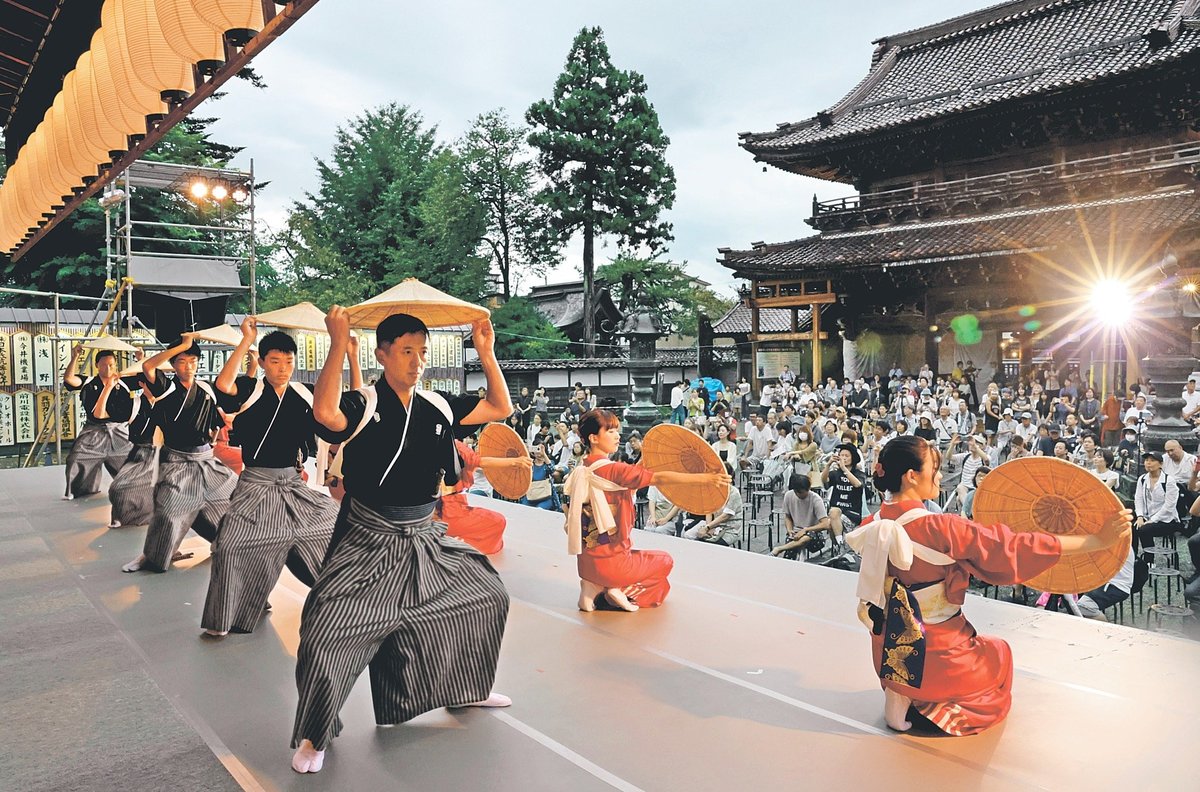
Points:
x=642 y=331
x=1172 y=362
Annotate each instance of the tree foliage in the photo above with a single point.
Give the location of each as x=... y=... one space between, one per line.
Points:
x=602 y=149
x=392 y=203
x=500 y=172
x=664 y=288
x=523 y=333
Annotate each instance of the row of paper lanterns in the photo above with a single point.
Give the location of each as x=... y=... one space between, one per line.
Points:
x=141 y=58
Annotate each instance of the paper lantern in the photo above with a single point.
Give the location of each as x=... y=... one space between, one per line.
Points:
x=106 y=120
x=238 y=20
x=125 y=100
x=81 y=116
x=58 y=154
x=189 y=35
x=72 y=158
x=151 y=60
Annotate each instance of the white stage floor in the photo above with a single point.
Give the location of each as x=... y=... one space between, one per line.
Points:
x=754 y=675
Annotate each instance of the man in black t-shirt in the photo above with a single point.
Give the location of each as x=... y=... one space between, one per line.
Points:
x=103 y=440
x=193 y=486
x=273 y=517
x=395 y=592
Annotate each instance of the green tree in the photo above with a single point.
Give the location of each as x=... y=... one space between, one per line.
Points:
x=665 y=288
x=523 y=333
x=501 y=174
x=602 y=148
x=392 y=203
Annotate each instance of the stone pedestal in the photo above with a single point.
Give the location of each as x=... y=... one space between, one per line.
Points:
x=642 y=332
x=1169 y=373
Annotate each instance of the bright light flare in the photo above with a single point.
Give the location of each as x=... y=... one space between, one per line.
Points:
x=1189 y=287
x=219 y=192
x=198 y=189
x=1111 y=302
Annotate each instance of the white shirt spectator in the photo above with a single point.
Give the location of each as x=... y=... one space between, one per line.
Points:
x=1182 y=470
x=1133 y=414
x=1191 y=403
x=1156 y=503
x=1027 y=433
x=1005 y=431
x=760 y=441
x=676 y=396
x=946 y=428
x=768 y=393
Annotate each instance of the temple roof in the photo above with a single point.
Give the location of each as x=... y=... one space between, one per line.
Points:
x=1140 y=217
x=1008 y=52
x=737 y=321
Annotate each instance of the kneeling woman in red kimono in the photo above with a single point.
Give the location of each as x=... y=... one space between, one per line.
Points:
x=600 y=519
x=481 y=528
x=912 y=583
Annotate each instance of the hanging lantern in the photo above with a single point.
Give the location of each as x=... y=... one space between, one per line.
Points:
x=81 y=117
x=150 y=59
x=72 y=158
x=189 y=35
x=127 y=103
x=238 y=20
x=51 y=172
x=106 y=119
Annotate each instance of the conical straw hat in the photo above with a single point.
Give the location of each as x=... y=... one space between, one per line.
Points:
x=500 y=441
x=434 y=308
x=134 y=369
x=301 y=316
x=220 y=334
x=672 y=448
x=1052 y=496
x=108 y=342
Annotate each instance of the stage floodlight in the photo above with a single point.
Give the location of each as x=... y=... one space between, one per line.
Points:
x=219 y=192
x=239 y=194
x=1111 y=302
x=198 y=189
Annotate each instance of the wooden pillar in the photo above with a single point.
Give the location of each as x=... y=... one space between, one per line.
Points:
x=754 y=383
x=931 y=347
x=816 y=344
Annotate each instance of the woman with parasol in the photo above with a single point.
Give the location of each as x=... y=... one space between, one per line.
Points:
x=481 y=528
x=600 y=533
x=913 y=581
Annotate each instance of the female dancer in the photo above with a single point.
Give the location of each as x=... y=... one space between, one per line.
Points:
x=481 y=528
x=599 y=535
x=912 y=584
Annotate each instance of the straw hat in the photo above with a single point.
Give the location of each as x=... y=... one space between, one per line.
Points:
x=1052 y=496
x=108 y=342
x=220 y=334
x=434 y=308
x=133 y=369
x=500 y=441
x=301 y=316
x=672 y=448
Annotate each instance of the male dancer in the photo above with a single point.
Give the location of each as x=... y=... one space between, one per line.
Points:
x=426 y=611
x=132 y=489
x=103 y=441
x=273 y=517
x=193 y=487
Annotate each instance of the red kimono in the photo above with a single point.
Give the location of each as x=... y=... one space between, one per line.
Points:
x=967 y=684
x=231 y=456
x=609 y=560
x=481 y=528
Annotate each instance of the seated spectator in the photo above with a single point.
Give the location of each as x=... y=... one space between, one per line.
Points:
x=1084 y=454
x=1017 y=449
x=843 y=479
x=925 y=428
x=968 y=509
x=535 y=426
x=1102 y=461
x=663 y=514
x=726 y=449
x=1128 y=447
x=1137 y=415
x=779 y=462
x=758 y=443
x=718 y=528
x=829 y=436
x=1154 y=503
x=542 y=493
x=1093 y=603
x=804 y=516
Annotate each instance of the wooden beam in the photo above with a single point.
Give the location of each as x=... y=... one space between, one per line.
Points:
x=272 y=30
x=799 y=301
x=786 y=337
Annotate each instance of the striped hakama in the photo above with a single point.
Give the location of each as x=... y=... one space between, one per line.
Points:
x=132 y=489
x=98 y=446
x=273 y=519
x=426 y=611
x=193 y=491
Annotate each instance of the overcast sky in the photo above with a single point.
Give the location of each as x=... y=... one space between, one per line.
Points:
x=713 y=69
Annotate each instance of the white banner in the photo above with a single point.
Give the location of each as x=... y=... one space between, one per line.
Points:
x=24 y=408
x=22 y=358
x=7 y=435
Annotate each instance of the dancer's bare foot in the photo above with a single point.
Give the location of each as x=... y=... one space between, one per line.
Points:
x=588 y=591
x=895 y=707
x=619 y=599
x=494 y=700
x=216 y=633
x=308 y=759
x=134 y=565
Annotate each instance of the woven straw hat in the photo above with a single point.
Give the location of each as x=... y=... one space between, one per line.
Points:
x=433 y=307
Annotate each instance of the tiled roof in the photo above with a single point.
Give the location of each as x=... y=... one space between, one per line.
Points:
x=1016 y=231
x=667 y=358
x=1000 y=54
x=736 y=321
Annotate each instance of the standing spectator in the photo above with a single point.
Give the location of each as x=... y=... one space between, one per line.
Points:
x=1137 y=415
x=787 y=377
x=541 y=494
x=695 y=404
x=534 y=427
x=743 y=393
x=678 y=404
x=524 y=411
x=1110 y=421
x=966 y=419
x=1088 y=411
x=541 y=405
x=766 y=397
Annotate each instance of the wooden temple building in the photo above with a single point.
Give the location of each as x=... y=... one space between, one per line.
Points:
x=1006 y=161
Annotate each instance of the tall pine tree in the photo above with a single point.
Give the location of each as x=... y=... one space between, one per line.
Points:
x=603 y=150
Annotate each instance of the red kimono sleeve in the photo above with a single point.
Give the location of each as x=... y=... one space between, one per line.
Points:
x=470 y=457
x=993 y=553
x=632 y=477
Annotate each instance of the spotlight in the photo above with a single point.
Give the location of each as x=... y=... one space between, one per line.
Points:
x=1189 y=287
x=933 y=328
x=239 y=194
x=198 y=189
x=1110 y=302
x=219 y=192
